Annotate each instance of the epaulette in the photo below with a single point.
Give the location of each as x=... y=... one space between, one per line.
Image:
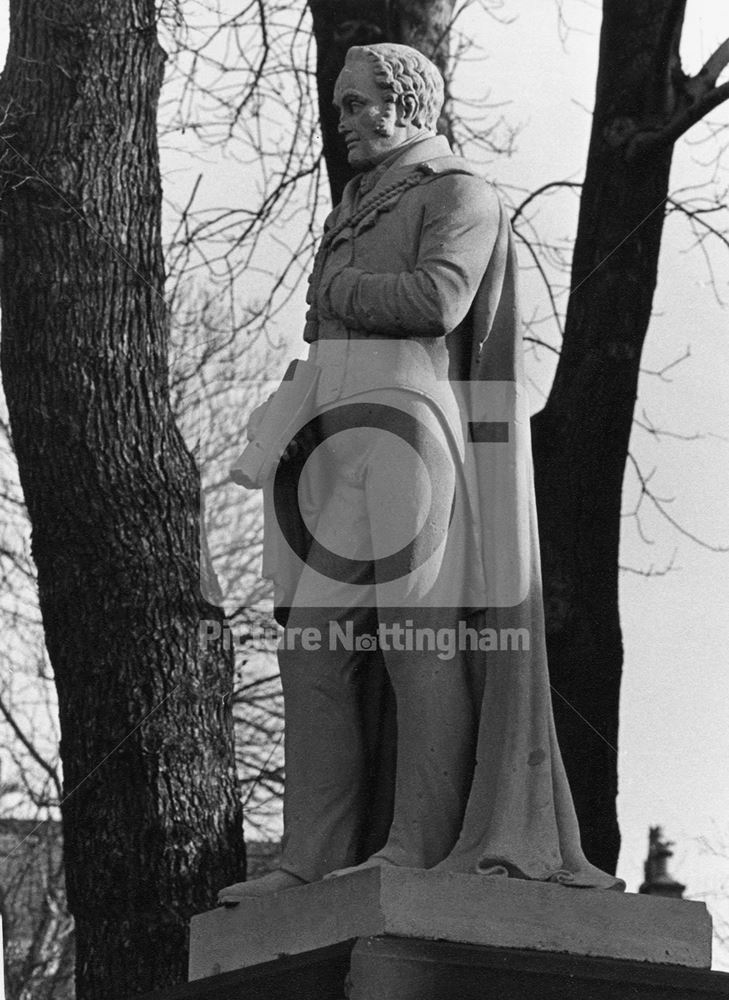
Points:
x=449 y=165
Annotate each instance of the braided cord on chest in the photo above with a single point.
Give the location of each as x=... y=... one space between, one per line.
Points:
x=386 y=199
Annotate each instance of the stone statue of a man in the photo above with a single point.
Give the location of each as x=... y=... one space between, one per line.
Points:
x=420 y=550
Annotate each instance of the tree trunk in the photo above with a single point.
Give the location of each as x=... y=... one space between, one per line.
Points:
x=151 y=817
x=339 y=24
x=581 y=436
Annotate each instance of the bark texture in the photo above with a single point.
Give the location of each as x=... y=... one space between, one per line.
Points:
x=151 y=818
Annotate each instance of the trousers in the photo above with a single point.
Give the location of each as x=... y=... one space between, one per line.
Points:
x=390 y=534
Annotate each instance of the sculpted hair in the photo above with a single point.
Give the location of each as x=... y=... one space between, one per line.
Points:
x=403 y=70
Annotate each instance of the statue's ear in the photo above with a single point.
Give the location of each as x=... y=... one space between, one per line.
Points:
x=408 y=108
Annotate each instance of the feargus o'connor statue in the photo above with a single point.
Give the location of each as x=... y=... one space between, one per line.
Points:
x=417 y=553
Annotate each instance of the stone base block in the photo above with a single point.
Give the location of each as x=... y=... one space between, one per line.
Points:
x=464 y=909
x=389 y=968
x=405 y=969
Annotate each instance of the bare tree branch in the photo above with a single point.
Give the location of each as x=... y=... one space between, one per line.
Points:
x=32 y=750
x=696 y=97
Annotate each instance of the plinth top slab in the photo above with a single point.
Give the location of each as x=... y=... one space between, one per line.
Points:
x=471 y=909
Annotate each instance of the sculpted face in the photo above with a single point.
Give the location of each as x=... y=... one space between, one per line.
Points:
x=371 y=120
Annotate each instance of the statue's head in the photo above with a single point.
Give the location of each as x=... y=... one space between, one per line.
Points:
x=386 y=95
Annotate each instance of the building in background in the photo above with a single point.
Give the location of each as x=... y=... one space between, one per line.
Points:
x=657 y=880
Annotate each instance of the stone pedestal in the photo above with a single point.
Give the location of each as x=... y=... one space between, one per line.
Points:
x=463 y=909
x=398 y=934
x=404 y=969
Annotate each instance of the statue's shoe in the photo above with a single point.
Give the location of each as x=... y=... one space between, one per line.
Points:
x=373 y=862
x=266 y=885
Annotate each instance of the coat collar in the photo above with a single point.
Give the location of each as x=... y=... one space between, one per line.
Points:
x=428 y=148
